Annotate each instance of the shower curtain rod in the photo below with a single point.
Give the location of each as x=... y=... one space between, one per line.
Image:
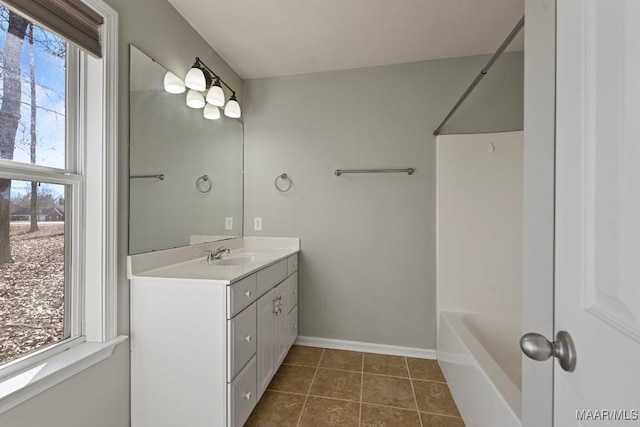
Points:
x=512 y=35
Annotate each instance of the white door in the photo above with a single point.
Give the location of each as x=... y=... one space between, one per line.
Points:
x=597 y=278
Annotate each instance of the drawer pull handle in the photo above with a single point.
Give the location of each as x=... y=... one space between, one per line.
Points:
x=248 y=338
x=247 y=294
x=247 y=395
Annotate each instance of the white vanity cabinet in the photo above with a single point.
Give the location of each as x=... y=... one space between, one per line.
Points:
x=203 y=351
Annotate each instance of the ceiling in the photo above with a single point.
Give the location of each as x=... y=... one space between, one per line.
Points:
x=266 y=38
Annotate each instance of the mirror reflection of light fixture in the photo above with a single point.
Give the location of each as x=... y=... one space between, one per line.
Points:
x=200 y=78
x=173 y=83
x=211 y=112
x=195 y=99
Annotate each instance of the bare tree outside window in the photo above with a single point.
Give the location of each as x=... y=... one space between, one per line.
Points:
x=32 y=214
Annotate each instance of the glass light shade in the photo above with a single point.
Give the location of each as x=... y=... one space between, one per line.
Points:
x=195 y=99
x=215 y=96
x=173 y=83
x=195 y=80
x=232 y=108
x=211 y=112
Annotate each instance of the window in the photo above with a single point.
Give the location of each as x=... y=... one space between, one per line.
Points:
x=37 y=211
x=58 y=138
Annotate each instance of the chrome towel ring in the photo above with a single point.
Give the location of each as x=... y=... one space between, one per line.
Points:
x=203 y=184
x=283 y=183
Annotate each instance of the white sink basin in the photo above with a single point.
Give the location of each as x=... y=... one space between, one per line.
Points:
x=243 y=259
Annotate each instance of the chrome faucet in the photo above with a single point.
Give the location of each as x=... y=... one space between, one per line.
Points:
x=217 y=254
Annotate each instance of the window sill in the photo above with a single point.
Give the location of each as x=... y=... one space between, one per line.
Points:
x=30 y=382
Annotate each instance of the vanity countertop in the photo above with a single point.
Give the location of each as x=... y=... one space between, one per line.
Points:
x=248 y=255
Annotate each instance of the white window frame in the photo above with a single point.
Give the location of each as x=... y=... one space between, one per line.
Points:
x=94 y=235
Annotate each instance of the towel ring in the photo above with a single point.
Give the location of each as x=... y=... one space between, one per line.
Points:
x=283 y=188
x=203 y=184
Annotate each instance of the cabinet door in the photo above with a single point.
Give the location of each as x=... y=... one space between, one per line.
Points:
x=281 y=322
x=292 y=320
x=266 y=341
x=292 y=301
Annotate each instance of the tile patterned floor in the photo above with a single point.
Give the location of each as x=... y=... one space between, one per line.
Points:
x=318 y=387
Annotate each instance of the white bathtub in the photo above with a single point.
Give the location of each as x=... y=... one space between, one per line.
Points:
x=481 y=360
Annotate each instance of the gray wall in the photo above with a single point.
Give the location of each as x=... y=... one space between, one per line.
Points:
x=99 y=396
x=368 y=241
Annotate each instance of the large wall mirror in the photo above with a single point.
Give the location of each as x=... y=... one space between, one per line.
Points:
x=185 y=172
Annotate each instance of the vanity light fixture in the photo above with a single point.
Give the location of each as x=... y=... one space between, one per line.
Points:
x=195 y=78
x=232 y=108
x=215 y=95
x=201 y=78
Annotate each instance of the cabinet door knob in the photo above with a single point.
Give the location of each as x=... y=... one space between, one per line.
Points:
x=247 y=294
x=247 y=395
x=247 y=338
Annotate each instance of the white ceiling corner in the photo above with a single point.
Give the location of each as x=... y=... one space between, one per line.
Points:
x=266 y=38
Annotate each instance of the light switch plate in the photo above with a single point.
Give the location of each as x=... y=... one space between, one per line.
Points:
x=257 y=224
x=228 y=223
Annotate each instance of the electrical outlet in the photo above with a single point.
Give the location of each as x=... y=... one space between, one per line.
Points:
x=228 y=223
x=257 y=224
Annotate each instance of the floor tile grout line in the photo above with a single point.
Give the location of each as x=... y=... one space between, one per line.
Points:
x=370 y=373
x=429 y=381
x=361 y=390
x=286 y=392
x=441 y=415
x=309 y=390
x=415 y=399
x=400 y=408
x=322 y=367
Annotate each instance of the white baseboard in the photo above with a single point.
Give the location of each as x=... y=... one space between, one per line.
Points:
x=367 y=347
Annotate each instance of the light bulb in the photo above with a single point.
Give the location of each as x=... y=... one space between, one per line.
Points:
x=173 y=84
x=195 y=79
x=211 y=112
x=215 y=96
x=195 y=99
x=232 y=108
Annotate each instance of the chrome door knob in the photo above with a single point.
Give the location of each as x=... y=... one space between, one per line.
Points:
x=537 y=347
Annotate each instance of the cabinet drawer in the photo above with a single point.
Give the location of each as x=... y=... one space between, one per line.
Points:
x=292 y=320
x=241 y=396
x=292 y=300
x=271 y=276
x=240 y=295
x=241 y=337
x=292 y=264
